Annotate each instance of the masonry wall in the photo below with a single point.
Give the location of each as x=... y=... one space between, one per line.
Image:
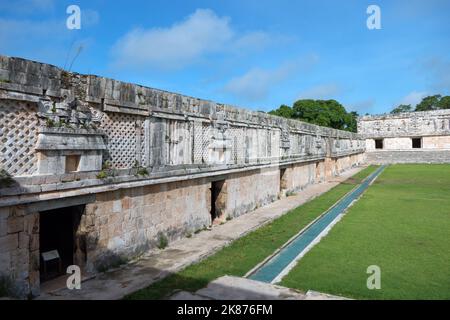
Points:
x=19 y=249
x=395 y=134
x=250 y=190
x=124 y=224
x=140 y=161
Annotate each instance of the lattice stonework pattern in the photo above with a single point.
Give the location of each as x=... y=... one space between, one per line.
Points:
x=122 y=133
x=18 y=135
x=206 y=141
x=198 y=142
x=237 y=136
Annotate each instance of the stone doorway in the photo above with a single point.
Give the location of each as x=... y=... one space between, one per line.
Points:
x=283 y=182
x=218 y=201
x=58 y=232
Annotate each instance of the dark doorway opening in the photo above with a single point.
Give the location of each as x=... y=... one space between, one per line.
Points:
x=318 y=173
x=283 y=182
x=217 y=199
x=378 y=143
x=57 y=231
x=417 y=143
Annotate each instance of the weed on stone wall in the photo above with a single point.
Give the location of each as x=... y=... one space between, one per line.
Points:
x=6 y=179
x=162 y=241
x=140 y=170
x=112 y=262
x=7 y=287
x=106 y=171
x=290 y=193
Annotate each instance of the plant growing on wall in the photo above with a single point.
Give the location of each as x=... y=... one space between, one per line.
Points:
x=106 y=171
x=6 y=179
x=140 y=170
x=6 y=286
x=162 y=241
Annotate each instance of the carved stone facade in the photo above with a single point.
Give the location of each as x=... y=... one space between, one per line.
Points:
x=118 y=166
x=414 y=137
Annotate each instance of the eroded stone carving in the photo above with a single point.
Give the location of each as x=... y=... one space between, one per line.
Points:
x=75 y=114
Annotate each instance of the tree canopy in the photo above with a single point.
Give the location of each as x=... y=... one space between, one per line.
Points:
x=327 y=113
x=402 y=108
x=436 y=102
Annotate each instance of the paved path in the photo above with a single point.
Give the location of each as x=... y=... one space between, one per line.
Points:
x=179 y=254
x=235 y=288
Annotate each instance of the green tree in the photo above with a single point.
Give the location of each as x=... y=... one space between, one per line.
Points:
x=327 y=113
x=283 y=111
x=429 y=103
x=402 y=108
x=352 y=121
x=444 y=103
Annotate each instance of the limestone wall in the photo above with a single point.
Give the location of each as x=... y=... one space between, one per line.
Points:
x=251 y=190
x=19 y=249
x=142 y=126
x=124 y=224
x=411 y=156
x=410 y=124
x=395 y=135
x=140 y=162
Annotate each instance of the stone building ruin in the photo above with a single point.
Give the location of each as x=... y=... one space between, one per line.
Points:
x=101 y=170
x=413 y=137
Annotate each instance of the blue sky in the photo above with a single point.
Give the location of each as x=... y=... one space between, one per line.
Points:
x=249 y=53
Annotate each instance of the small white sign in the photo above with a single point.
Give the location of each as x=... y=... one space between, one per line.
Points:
x=50 y=255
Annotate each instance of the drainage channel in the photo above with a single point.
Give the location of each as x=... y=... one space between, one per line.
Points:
x=274 y=268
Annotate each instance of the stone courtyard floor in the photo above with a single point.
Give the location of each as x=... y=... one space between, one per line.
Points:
x=158 y=264
x=236 y=288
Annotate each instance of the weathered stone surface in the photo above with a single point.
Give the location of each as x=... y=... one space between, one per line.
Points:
x=142 y=161
x=180 y=131
x=9 y=242
x=427 y=123
x=395 y=134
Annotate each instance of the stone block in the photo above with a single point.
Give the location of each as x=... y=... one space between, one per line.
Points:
x=117 y=206
x=9 y=242
x=24 y=240
x=5 y=262
x=34 y=242
x=15 y=224
x=31 y=223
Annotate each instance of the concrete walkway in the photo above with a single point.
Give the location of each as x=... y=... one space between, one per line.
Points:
x=158 y=264
x=235 y=288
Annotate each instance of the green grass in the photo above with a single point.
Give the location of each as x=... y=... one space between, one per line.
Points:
x=245 y=253
x=401 y=224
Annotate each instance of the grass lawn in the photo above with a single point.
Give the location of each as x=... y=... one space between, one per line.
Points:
x=401 y=224
x=245 y=253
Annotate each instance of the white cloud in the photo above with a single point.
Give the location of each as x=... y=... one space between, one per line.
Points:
x=324 y=91
x=253 y=41
x=256 y=84
x=183 y=43
x=413 y=98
